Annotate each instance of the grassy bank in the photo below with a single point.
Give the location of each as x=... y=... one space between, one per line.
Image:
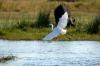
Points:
x=17 y=21
x=38 y=34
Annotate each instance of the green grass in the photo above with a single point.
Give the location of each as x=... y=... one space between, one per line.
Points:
x=24 y=31
x=38 y=34
x=17 y=19
x=42 y=19
x=2 y=33
x=30 y=34
x=94 y=26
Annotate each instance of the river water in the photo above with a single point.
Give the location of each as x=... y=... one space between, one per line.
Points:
x=51 y=53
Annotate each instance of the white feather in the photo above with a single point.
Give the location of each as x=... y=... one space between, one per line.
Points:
x=59 y=29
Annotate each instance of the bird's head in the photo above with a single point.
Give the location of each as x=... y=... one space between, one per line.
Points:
x=52 y=26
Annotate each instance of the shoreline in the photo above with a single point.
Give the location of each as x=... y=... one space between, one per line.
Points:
x=35 y=34
x=56 y=39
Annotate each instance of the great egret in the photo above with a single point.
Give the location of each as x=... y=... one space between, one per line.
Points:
x=62 y=17
x=59 y=29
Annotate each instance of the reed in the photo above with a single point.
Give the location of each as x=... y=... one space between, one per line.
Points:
x=42 y=19
x=94 y=26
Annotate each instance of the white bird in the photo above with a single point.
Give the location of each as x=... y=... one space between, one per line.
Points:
x=62 y=23
x=59 y=29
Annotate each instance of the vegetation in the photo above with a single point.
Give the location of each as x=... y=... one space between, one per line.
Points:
x=23 y=25
x=94 y=26
x=43 y=20
x=2 y=33
x=19 y=21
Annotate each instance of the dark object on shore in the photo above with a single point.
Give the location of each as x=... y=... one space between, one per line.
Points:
x=6 y=58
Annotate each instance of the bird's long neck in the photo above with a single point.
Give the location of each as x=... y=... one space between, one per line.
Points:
x=51 y=26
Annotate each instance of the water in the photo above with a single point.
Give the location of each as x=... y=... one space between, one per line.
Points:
x=54 y=53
